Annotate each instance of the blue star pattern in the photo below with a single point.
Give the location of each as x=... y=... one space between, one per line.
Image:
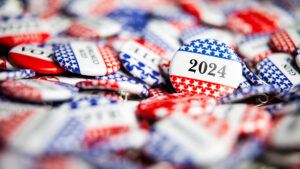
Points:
x=141 y=71
x=165 y=148
x=65 y=57
x=68 y=138
x=16 y=74
x=249 y=75
x=192 y=32
x=250 y=92
x=210 y=47
x=122 y=78
x=270 y=73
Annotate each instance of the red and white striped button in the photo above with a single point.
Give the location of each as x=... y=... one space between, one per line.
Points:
x=16 y=31
x=286 y=40
x=35 y=57
x=206 y=67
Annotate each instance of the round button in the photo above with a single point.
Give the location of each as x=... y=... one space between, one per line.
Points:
x=206 y=67
x=87 y=58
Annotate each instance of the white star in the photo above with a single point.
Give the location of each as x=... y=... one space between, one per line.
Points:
x=213 y=87
x=208 y=51
x=74 y=66
x=205 y=45
x=207 y=92
x=217 y=53
x=204 y=85
x=222 y=48
x=181 y=87
x=278 y=80
x=197 y=43
x=286 y=82
x=187 y=82
x=199 y=50
x=191 y=48
x=199 y=90
x=178 y=80
x=195 y=83
x=190 y=88
x=213 y=46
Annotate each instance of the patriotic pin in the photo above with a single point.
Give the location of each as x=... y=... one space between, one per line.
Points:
x=279 y=69
x=86 y=58
x=142 y=63
x=206 y=67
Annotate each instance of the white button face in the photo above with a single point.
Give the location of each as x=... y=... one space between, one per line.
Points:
x=206 y=67
x=87 y=58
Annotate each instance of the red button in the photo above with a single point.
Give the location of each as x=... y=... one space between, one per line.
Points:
x=36 y=58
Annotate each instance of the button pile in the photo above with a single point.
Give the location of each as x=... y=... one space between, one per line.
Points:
x=154 y=84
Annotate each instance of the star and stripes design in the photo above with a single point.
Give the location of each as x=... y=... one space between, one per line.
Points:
x=271 y=74
x=189 y=85
x=141 y=71
x=209 y=48
x=212 y=48
x=65 y=57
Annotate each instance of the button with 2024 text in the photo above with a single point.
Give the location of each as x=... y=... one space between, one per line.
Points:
x=206 y=67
